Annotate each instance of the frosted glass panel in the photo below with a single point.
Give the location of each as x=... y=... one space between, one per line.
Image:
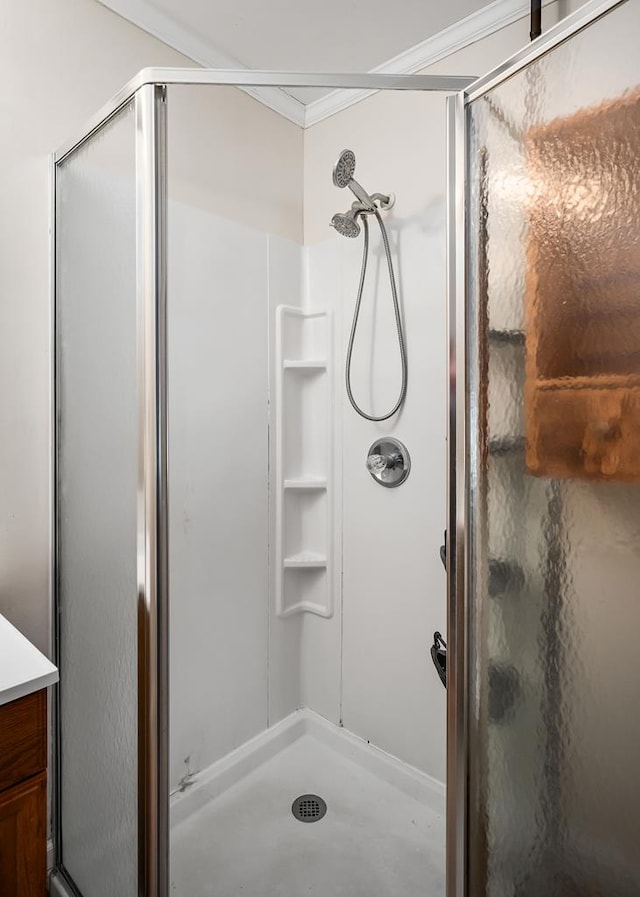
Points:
x=555 y=284
x=96 y=321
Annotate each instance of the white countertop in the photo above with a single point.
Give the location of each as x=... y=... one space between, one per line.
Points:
x=23 y=669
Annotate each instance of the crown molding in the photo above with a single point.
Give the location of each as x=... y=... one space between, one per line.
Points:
x=467 y=31
x=163 y=26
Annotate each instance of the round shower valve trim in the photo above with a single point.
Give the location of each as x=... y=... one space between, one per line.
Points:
x=388 y=462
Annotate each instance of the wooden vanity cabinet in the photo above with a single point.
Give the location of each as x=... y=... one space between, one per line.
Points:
x=23 y=796
x=582 y=392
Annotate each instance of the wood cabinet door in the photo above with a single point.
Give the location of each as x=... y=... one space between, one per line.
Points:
x=23 y=739
x=23 y=834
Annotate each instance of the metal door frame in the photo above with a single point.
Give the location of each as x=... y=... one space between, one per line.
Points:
x=462 y=446
x=148 y=91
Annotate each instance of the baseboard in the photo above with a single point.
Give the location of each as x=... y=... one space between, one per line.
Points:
x=222 y=775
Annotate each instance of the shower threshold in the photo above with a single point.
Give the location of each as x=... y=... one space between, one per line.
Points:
x=233 y=832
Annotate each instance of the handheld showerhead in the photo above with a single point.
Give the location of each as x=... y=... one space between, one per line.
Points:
x=343 y=176
x=343 y=172
x=345 y=168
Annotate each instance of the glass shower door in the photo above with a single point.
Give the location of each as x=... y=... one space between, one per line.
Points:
x=110 y=792
x=553 y=479
x=97 y=435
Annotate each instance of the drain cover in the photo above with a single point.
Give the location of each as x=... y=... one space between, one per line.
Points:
x=308 y=808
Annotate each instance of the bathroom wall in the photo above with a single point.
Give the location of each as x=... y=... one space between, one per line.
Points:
x=393 y=594
x=393 y=580
x=59 y=62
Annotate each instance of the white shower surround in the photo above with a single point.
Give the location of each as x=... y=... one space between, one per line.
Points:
x=366 y=665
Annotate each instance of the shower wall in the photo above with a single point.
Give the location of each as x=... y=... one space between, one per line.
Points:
x=234 y=219
x=393 y=595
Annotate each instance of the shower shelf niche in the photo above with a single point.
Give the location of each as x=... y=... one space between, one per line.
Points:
x=303 y=484
x=306 y=559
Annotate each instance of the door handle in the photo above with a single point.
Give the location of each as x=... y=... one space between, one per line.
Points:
x=439 y=657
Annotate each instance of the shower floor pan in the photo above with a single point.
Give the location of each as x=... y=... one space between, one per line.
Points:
x=233 y=832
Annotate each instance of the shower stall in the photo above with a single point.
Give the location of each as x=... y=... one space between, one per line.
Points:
x=244 y=619
x=203 y=307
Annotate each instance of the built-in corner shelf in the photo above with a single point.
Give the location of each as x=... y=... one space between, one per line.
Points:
x=303 y=484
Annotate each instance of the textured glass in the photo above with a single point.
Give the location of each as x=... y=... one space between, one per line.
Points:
x=96 y=323
x=555 y=336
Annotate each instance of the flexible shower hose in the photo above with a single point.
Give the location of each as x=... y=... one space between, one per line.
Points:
x=396 y=311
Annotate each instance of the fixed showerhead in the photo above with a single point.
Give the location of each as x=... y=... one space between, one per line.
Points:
x=346 y=224
x=345 y=168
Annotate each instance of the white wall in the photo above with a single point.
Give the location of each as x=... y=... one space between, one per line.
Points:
x=59 y=62
x=393 y=582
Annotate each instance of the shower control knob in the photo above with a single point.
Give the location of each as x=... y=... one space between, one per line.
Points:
x=388 y=462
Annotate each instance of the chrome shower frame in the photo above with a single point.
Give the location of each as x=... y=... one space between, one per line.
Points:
x=148 y=90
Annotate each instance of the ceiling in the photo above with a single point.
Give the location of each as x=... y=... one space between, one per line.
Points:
x=300 y=35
